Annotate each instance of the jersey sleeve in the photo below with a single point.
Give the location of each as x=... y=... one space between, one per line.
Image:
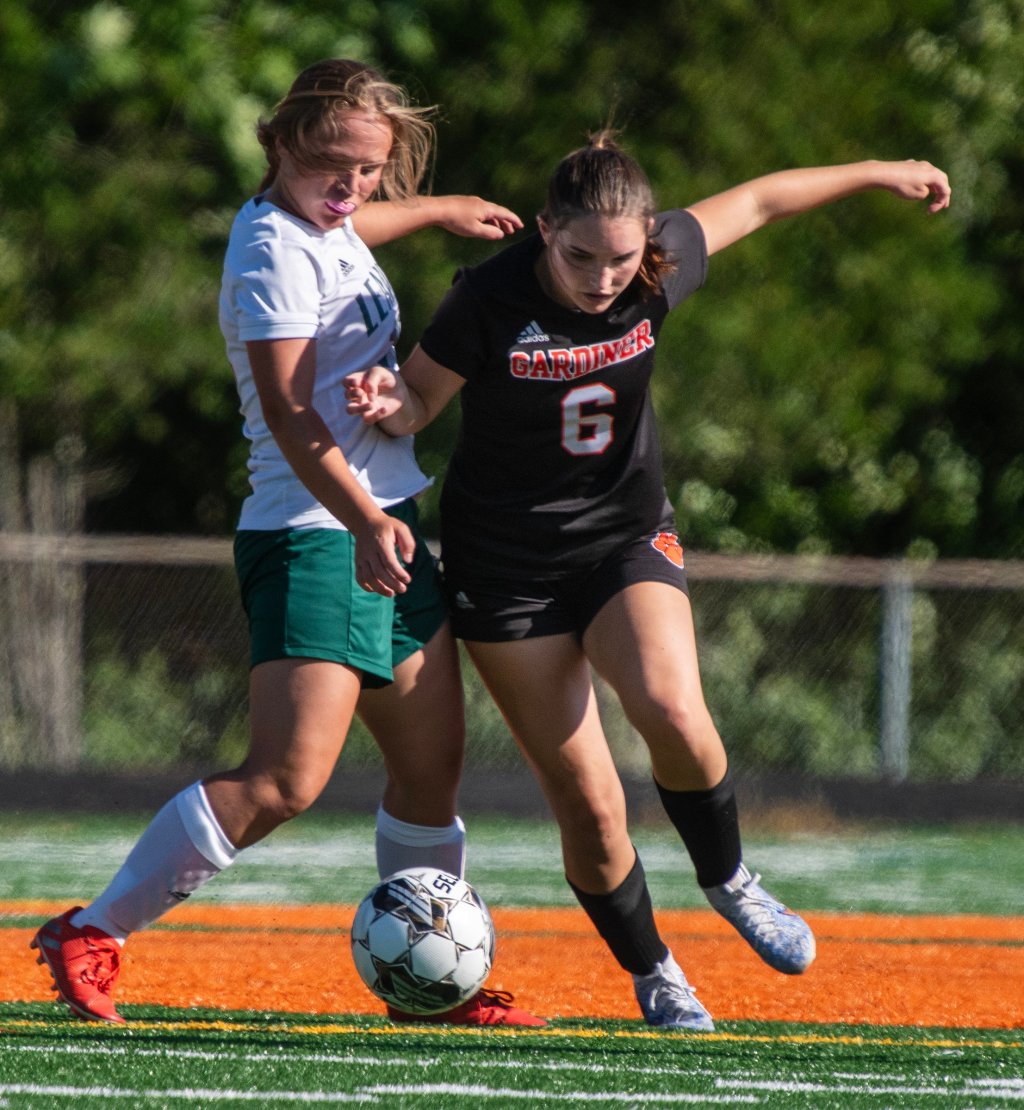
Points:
x=277 y=293
x=455 y=336
x=681 y=237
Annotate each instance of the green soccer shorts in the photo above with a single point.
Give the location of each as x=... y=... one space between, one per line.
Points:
x=301 y=598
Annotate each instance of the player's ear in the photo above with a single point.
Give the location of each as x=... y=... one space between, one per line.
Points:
x=545 y=231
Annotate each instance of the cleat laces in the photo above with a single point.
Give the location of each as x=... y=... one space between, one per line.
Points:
x=668 y=1001
x=778 y=935
x=102 y=968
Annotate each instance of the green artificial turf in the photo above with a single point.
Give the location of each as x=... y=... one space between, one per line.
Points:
x=315 y=859
x=216 y=1059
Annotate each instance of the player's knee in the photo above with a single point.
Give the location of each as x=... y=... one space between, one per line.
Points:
x=679 y=721
x=598 y=818
x=286 y=796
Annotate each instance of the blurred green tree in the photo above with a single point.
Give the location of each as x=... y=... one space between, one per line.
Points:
x=848 y=382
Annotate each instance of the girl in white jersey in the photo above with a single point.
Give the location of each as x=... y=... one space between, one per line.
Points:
x=339 y=589
x=558 y=545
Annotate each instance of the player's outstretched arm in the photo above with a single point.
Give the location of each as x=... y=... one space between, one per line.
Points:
x=735 y=213
x=471 y=217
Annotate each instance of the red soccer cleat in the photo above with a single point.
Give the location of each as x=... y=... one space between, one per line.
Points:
x=84 y=964
x=484 y=1008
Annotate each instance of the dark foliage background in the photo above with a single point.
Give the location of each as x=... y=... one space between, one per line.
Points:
x=848 y=382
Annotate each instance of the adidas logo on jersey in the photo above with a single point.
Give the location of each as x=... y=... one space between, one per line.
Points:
x=533 y=333
x=346 y=267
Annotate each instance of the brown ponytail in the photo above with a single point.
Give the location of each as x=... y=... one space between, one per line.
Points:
x=600 y=179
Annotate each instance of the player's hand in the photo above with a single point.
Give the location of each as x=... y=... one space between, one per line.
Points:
x=914 y=180
x=374 y=394
x=381 y=548
x=475 y=218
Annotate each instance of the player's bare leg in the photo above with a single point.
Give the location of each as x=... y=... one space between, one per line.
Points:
x=300 y=711
x=643 y=643
x=419 y=724
x=543 y=686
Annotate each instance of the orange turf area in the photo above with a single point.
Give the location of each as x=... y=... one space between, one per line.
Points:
x=871 y=969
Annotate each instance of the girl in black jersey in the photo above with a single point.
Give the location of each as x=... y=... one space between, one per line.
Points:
x=558 y=544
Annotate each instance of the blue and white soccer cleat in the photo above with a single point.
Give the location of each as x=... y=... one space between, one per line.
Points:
x=779 y=936
x=668 y=1001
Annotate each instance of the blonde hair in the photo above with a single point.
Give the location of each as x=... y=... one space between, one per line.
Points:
x=311 y=118
x=601 y=179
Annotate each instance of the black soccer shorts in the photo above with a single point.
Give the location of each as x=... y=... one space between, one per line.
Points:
x=494 y=609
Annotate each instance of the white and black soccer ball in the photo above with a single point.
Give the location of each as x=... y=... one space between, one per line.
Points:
x=423 y=940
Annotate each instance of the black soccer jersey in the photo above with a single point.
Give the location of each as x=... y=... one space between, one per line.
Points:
x=557 y=463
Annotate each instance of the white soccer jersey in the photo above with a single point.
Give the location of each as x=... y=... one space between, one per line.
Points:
x=287 y=279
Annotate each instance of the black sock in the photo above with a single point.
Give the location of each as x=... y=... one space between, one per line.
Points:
x=708 y=823
x=625 y=919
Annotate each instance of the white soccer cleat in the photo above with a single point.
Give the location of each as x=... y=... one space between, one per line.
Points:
x=668 y=1001
x=779 y=936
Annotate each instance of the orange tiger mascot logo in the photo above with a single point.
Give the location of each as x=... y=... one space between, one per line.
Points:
x=668 y=544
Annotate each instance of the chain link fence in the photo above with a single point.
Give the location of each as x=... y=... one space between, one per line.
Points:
x=130 y=654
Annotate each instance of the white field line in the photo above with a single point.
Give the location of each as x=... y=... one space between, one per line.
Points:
x=187 y=1094
x=730 y=1087
x=372 y=1095
x=244 y=1057
x=365 y=1096
x=993 y=1088
x=508 y=1094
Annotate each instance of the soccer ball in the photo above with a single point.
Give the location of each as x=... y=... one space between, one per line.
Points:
x=423 y=940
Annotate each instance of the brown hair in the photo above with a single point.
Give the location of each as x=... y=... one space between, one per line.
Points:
x=312 y=117
x=600 y=179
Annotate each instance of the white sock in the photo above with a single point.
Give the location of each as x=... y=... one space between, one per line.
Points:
x=182 y=848
x=401 y=845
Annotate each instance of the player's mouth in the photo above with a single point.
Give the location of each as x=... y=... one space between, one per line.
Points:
x=340 y=207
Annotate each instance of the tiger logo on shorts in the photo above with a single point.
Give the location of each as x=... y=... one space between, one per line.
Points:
x=668 y=544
